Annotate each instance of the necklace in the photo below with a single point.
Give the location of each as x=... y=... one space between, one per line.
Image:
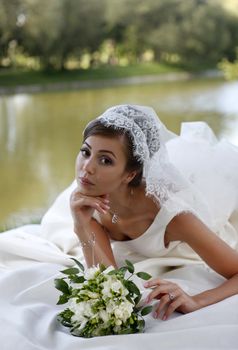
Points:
x=115 y=217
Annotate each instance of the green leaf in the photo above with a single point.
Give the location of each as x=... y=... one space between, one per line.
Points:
x=126 y=331
x=146 y=310
x=80 y=265
x=102 y=267
x=62 y=286
x=137 y=299
x=129 y=299
x=112 y=272
x=63 y=299
x=144 y=275
x=77 y=279
x=130 y=266
x=141 y=325
x=132 y=287
x=70 y=271
x=123 y=270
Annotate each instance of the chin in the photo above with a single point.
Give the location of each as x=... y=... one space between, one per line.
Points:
x=93 y=192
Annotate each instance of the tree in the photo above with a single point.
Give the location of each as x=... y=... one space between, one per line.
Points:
x=9 y=11
x=195 y=30
x=57 y=29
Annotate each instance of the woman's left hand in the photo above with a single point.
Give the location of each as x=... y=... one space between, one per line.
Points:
x=172 y=298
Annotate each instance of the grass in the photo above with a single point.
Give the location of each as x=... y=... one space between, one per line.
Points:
x=13 y=77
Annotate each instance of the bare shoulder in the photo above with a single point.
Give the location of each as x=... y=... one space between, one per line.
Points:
x=185 y=226
x=213 y=250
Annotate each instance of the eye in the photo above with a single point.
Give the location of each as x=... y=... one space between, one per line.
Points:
x=106 y=160
x=85 y=152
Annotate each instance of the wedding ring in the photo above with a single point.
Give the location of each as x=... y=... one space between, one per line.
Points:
x=171 y=296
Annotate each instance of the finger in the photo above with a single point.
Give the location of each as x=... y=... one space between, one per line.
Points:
x=102 y=208
x=89 y=202
x=162 y=289
x=154 y=282
x=172 y=307
x=77 y=194
x=163 y=304
x=105 y=198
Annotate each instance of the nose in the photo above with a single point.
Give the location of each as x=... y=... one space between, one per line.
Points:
x=89 y=166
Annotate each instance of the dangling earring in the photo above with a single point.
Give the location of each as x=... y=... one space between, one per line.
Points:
x=114 y=218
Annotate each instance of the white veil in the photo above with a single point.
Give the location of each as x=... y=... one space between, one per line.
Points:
x=191 y=172
x=149 y=137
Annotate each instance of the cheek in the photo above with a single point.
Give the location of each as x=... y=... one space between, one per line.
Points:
x=111 y=176
x=78 y=163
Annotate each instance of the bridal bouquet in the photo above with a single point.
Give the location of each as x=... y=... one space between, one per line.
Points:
x=101 y=301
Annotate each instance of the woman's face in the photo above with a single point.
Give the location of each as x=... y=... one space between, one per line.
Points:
x=100 y=165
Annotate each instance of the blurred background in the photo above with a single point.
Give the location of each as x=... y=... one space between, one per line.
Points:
x=63 y=62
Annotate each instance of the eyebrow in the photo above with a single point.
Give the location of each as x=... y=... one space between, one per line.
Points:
x=102 y=150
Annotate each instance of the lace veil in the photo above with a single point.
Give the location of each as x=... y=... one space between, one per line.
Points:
x=149 y=136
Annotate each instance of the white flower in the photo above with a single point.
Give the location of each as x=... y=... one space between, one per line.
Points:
x=108 y=269
x=116 y=286
x=76 y=285
x=123 y=310
x=113 y=285
x=110 y=307
x=118 y=322
x=89 y=294
x=90 y=272
x=104 y=316
x=81 y=310
x=116 y=329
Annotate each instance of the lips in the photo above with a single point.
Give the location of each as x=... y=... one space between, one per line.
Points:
x=85 y=181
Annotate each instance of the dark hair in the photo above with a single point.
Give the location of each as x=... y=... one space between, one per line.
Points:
x=95 y=127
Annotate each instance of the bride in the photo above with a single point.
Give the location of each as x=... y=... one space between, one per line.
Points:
x=129 y=191
x=167 y=203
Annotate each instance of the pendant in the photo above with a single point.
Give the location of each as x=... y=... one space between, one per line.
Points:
x=114 y=218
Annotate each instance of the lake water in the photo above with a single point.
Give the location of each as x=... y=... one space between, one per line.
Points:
x=40 y=134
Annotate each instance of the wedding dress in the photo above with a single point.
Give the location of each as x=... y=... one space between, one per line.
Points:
x=32 y=256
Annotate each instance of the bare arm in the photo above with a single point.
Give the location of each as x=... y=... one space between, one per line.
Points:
x=100 y=252
x=215 y=252
x=93 y=238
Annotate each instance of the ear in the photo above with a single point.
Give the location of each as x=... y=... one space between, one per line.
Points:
x=130 y=176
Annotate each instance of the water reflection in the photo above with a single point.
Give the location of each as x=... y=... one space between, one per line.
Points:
x=40 y=134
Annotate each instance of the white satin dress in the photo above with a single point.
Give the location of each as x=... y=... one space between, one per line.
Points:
x=32 y=256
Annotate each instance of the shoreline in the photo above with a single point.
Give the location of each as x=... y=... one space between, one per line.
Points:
x=102 y=83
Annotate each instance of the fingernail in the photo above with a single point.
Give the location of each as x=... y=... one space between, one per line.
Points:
x=164 y=318
x=146 y=284
x=155 y=314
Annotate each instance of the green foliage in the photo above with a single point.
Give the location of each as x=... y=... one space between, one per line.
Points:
x=71 y=271
x=56 y=30
x=117 y=31
x=78 y=263
x=62 y=286
x=143 y=275
x=129 y=266
x=230 y=69
x=8 y=25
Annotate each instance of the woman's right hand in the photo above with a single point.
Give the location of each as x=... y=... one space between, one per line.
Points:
x=82 y=208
